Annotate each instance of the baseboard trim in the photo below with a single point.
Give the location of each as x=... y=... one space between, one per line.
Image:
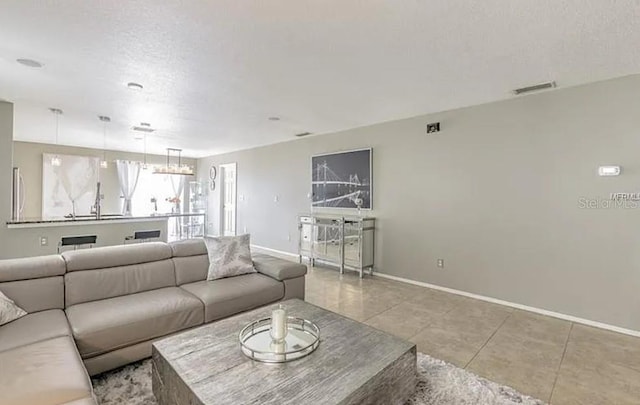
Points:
x=275 y=251
x=540 y=311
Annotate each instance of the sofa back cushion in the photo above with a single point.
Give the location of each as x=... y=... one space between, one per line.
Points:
x=34 y=283
x=115 y=256
x=190 y=260
x=100 y=273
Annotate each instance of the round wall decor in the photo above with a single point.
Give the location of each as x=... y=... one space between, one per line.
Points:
x=212 y=185
x=213 y=173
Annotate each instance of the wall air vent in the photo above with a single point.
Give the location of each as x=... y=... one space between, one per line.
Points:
x=535 y=87
x=433 y=128
x=142 y=129
x=301 y=134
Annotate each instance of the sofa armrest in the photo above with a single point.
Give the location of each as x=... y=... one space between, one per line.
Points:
x=276 y=268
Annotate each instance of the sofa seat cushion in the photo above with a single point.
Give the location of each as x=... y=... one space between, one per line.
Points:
x=278 y=268
x=44 y=373
x=228 y=296
x=106 y=325
x=33 y=328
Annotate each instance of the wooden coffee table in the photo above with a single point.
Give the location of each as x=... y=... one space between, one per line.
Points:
x=354 y=364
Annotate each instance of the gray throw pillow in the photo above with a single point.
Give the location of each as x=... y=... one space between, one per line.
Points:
x=9 y=311
x=229 y=256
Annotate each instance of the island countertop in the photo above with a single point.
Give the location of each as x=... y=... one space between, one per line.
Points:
x=90 y=219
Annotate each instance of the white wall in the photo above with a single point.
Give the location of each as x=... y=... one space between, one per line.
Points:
x=495 y=194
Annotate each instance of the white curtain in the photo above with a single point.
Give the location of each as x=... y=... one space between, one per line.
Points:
x=177 y=184
x=128 y=173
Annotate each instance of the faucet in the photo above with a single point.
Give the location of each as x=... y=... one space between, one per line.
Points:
x=96 y=209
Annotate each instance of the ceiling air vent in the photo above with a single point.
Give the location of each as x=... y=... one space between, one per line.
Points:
x=535 y=87
x=142 y=128
x=301 y=134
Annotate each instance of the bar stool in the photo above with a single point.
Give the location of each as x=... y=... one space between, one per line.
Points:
x=77 y=241
x=143 y=236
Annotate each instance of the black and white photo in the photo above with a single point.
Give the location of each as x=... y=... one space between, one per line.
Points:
x=342 y=180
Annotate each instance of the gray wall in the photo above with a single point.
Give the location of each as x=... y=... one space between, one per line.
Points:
x=495 y=194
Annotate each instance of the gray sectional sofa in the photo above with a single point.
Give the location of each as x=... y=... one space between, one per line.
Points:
x=94 y=310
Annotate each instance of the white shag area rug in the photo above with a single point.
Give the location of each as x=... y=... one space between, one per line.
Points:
x=439 y=383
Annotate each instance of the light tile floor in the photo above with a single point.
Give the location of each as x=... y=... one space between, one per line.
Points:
x=554 y=360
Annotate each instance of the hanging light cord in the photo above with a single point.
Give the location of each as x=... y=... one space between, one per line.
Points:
x=104 y=141
x=57 y=127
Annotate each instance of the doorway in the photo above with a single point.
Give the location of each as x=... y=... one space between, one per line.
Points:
x=228 y=193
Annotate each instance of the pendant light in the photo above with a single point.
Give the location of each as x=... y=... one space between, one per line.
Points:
x=103 y=163
x=55 y=160
x=169 y=168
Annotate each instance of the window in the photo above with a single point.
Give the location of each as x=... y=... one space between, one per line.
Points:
x=152 y=186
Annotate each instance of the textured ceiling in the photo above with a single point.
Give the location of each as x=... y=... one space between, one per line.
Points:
x=214 y=71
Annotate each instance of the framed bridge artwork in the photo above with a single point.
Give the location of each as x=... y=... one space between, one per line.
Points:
x=342 y=179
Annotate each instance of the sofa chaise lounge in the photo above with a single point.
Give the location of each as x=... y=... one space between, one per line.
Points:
x=94 y=310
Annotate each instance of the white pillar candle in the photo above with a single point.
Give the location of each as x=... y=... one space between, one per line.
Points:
x=278 y=348
x=278 y=323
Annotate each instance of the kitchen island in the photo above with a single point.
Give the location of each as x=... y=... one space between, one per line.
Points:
x=40 y=236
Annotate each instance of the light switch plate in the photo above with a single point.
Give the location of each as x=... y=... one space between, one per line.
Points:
x=609 y=170
x=44 y=241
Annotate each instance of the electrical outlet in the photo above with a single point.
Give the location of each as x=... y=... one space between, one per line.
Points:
x=44 y=241
x=241 y=197
x=441 y=263
x=244 y=230
x=276 y=198
x=289 y=237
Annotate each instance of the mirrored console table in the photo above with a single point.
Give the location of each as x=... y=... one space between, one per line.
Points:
x=346 y=242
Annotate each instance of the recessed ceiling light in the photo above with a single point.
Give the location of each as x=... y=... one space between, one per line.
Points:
x=274 y=118
x=135 y=86
x=30 y=63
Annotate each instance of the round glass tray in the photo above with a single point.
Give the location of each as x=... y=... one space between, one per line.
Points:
x=303 y=338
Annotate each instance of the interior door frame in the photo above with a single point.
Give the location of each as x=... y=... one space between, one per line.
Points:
x=223 y=174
